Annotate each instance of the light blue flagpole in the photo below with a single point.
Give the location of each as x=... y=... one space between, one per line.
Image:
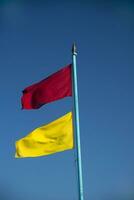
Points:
x=76 y=123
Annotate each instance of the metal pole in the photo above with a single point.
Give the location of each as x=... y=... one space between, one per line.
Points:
x=76 y=122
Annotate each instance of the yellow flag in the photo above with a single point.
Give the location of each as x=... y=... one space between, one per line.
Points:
x=51 y=138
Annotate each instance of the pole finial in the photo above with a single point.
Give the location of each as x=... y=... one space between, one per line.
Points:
x=74 y=49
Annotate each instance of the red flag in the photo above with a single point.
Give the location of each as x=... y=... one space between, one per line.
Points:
x=54 y=87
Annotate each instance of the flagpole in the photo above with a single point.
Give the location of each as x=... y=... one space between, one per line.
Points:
x=76 y=123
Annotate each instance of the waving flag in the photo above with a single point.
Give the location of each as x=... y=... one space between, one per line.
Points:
x=48 y=139
x=54 y=87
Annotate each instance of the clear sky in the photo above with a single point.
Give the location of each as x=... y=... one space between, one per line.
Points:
x=35 y=41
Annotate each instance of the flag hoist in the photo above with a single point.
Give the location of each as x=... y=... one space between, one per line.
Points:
x=58 y=135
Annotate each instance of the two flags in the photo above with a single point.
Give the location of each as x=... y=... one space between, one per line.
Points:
x=58 y=135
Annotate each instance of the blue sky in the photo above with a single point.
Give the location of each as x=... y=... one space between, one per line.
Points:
x=35 y=41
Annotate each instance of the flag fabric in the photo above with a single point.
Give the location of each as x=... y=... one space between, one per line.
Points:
x=54 y=87
x=48 y=139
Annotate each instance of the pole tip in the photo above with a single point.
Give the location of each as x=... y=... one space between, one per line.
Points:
x=74 y=49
